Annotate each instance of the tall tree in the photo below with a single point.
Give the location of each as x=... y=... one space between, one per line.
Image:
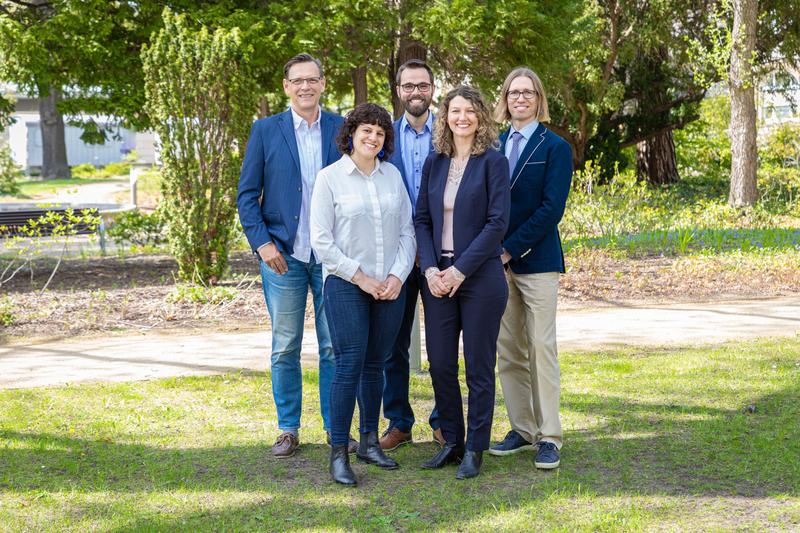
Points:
x=79 y=56
x=744 y=156
x=25 y=29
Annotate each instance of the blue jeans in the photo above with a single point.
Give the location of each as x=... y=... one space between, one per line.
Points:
x=286 y=302
x=363 y=331
x=396 y=405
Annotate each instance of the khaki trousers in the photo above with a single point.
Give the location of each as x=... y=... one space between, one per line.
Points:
x=527 y=356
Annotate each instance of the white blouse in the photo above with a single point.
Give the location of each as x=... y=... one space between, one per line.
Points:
x=362 y=221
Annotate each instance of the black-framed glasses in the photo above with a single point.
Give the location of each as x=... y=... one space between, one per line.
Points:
x=422 y=87
x=313 y=81
x=527 y=94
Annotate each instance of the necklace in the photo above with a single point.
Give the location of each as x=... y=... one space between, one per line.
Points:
x=456 y=170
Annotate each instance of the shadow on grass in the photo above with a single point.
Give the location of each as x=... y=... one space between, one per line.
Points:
x=635 y=449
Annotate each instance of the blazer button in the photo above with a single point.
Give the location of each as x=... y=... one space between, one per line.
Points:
x=299 y=189
x=296 y=217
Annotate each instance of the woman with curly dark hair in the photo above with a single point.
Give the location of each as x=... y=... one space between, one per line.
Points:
x=462 y=215
x=362 y=232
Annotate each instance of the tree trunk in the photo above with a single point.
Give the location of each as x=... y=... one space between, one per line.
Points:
x=263 y=107
x=406 y=49
x=359 y=75
x=54 y=147
x=744 y=154
x=656 y=161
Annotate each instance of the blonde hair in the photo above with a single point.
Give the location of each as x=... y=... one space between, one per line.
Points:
x=501 y=113
x=486 y=133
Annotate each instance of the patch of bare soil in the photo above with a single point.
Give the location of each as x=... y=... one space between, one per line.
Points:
x=102 y=295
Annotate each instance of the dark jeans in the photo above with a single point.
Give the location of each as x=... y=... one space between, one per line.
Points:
x=363 y=331
x=396 y=405
x=475 y=310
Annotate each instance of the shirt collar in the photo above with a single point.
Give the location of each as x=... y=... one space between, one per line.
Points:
x=298 y=121
x=350 y=166
x=428 y=123
x=527 y=131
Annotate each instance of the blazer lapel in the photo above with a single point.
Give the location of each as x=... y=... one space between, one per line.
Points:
x=533 y=143
x=437 y=191
x=503 y=139
x=287 y=128
x=327 y=130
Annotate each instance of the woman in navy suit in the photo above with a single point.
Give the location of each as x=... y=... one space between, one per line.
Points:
x=462 y=216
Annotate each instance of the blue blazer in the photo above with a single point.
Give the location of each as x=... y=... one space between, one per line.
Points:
x=397 y=159
x=480 y=217
x=270 y=185
x=540 y=184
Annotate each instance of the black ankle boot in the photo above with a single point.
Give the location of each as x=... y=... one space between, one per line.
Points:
x=450 y=453
x=340 y=466
x=370 y=452
x=470 y=465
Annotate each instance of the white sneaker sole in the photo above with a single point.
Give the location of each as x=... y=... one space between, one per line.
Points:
x=511 y=452
x=547 y=466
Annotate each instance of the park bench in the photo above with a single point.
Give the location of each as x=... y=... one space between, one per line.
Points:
x=13 y=221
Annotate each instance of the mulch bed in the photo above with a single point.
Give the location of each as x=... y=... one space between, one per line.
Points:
x=102 y=295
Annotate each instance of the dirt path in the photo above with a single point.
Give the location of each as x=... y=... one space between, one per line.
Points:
x=92 y=193
x=132 y=357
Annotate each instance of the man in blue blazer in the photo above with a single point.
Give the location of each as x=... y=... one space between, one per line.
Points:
x=413 y=133
x=283 y=156
x=540 y=165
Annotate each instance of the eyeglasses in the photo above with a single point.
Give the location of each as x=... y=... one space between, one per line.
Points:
x=298 y=82
x=409 y=87
x=527 y=94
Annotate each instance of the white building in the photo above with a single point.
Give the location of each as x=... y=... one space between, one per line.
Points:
x=779 y=99
x=25 y=139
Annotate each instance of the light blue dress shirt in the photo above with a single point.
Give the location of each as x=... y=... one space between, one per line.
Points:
x=526 y=133
x=309 y=147
x=415 y=148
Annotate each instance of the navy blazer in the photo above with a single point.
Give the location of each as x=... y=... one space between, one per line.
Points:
x=271 y=186
x=480 y=216
x=397 y=159
x=540 y=184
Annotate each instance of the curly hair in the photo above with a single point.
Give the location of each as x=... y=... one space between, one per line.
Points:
x=366 y=114
x=486 y=133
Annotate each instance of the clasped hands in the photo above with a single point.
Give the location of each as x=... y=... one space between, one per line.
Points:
x=389 y=289
x=443 y=282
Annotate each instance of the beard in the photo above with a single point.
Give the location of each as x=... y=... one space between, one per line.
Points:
x=417 y=108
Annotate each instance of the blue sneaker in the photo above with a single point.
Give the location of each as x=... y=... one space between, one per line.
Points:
x=513 y=443
x=547 y=457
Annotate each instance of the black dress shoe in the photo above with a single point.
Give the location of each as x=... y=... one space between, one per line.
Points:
x=450 y=453
x=340 y=466
x=370 y=452
x=470 y=466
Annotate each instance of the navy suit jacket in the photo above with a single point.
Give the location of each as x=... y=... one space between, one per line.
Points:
x=540 y=184
x=271 y=186
x=397 y=159
x=480 y=216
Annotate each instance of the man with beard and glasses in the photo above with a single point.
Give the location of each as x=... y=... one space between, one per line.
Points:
x=414 y=141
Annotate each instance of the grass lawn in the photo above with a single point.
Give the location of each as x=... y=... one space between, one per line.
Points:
x=655 y=439
x=32 y=189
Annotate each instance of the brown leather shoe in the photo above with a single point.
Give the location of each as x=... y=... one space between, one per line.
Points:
x=352 y=444
x=438 y=437
x=392 y=438
x=285 y=446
